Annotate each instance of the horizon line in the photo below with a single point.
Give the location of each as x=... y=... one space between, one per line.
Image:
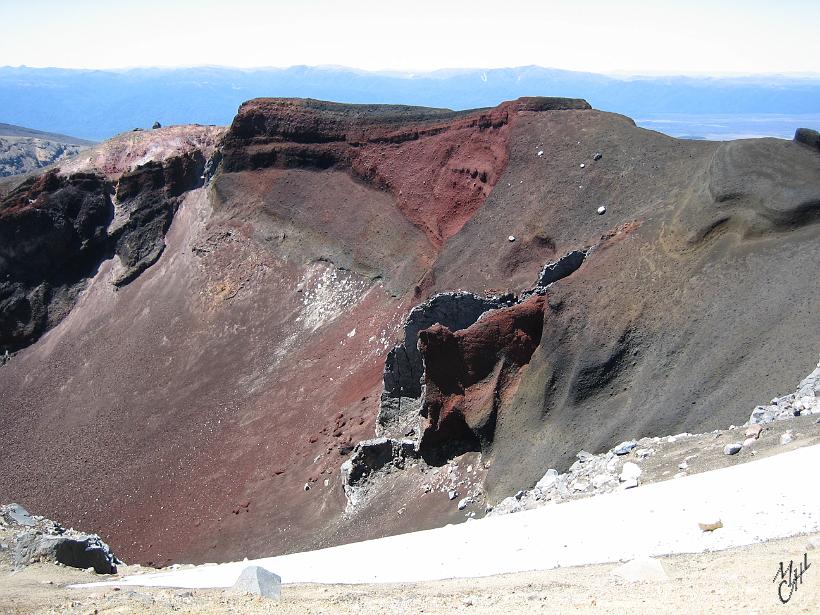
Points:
x=406 y=73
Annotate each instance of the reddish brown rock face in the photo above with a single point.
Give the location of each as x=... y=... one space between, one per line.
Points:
x=469 y=373
x=439 y=165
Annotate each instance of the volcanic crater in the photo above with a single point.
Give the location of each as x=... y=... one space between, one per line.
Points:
x=202 y=323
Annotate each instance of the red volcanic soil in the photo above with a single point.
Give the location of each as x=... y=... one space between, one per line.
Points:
x=183 y=415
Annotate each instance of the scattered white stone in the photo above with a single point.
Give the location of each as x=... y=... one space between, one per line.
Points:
x=813 y=543
x=463 y=503
x=748 y=442
x=511 y=238
x=601 y=480
x=452 y=495
x=683 y=465
x=643 y=453
x=641 y=569
x=786 y=437
x=580 y=485
x=583 y=165
x=601 y=210
x=307 y=487
x=733 y=448
x=584 y=456
x=352 y=333
x=630 y=471
x=624 y=447
x=540 y=152
x=548 y=480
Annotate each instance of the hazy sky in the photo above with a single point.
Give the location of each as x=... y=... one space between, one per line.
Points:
x=660 y=36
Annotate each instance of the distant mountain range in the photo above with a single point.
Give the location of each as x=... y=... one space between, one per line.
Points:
x=23 y=150
x=97 y=104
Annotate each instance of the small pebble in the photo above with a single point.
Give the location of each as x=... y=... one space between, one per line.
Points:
x=754 y=431
x=732 y=449
x=711 y=526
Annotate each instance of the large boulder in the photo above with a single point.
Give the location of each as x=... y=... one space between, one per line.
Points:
x=809 y=137
x=43 y=540
x=71 y=548
x=258 y=581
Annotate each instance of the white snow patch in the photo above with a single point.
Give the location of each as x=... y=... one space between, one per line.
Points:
x=756 y=501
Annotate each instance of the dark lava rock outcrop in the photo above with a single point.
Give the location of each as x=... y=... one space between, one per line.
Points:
x=404 y=368
x=37 y=539
x=52 y=236
x=372 y=456
x=809 y=137
x=55 y=231
x=149 y=197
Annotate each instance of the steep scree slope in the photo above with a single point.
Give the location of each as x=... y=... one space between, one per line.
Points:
x=201 y=411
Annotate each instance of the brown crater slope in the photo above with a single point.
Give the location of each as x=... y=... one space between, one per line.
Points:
x=183 y=415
